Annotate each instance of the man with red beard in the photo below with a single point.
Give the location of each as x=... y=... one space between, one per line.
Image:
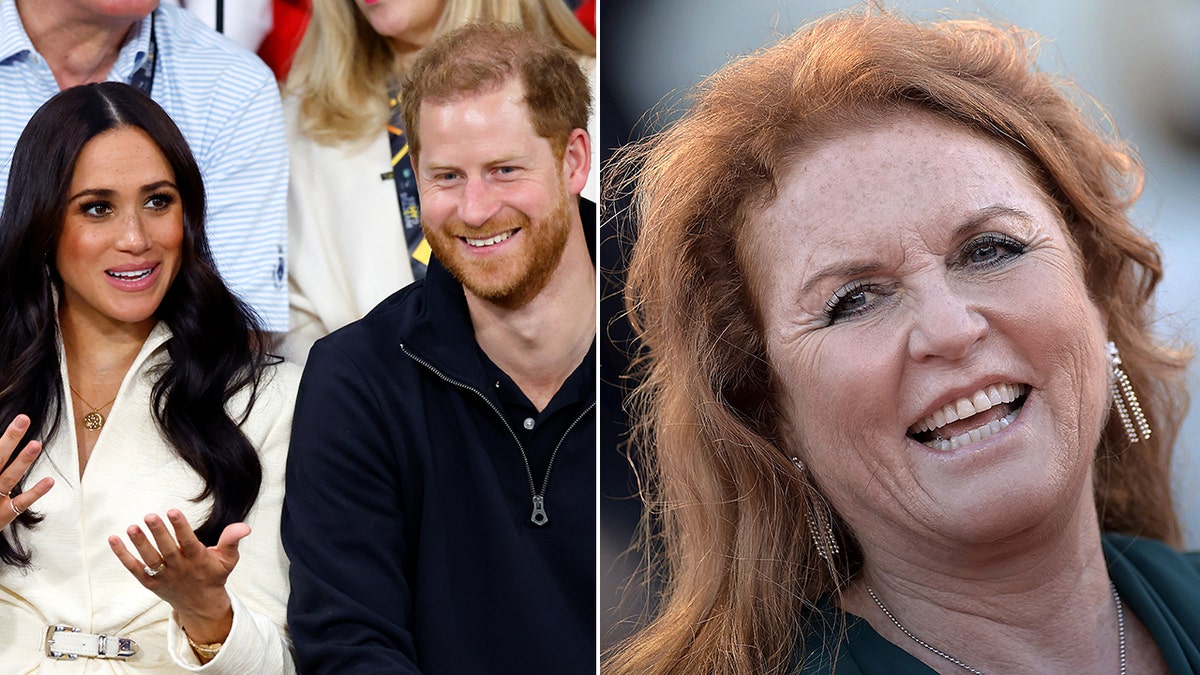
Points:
x=440 y=514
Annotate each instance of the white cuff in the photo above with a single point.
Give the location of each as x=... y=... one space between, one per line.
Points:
x=254 y=645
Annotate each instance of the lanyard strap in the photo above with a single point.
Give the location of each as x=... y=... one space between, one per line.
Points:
x=218 y=18
x=143 y=77
x=406 y=188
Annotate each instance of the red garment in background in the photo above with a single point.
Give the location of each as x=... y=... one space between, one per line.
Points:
x=291 y=18
x=586 y=13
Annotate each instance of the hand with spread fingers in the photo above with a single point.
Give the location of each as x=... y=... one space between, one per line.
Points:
x=185 y=573
x=19 y=463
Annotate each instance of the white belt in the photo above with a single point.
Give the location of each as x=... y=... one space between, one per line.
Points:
x=66 y=642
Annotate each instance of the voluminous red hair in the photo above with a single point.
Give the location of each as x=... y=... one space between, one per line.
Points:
x=726 y=512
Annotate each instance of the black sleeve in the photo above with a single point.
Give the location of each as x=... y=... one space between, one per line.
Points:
x=343 y=527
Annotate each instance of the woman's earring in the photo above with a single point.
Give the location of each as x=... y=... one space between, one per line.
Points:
x=1128 y=408
x=820 y=523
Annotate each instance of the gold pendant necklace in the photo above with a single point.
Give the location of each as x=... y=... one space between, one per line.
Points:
x=93 y=420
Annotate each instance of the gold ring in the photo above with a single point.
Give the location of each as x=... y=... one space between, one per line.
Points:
x=151 y=571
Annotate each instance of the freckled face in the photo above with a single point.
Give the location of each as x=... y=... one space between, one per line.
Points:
x=943 y=365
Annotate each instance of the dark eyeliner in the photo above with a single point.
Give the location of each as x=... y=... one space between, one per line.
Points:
x=833 y=304
x=166 y=198
x=1000 y=242
x=87 y=207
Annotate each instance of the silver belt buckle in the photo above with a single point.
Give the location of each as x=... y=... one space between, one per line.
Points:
x=68 y=643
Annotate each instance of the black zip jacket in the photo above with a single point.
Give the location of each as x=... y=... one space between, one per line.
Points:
x=410 y=499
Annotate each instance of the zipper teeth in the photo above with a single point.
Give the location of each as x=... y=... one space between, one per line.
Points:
x=462 y=385
x=546 y=478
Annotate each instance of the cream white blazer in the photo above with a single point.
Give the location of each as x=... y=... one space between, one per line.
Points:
x=77 y=580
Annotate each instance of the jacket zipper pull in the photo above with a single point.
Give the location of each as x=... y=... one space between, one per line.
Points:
x=539 y=516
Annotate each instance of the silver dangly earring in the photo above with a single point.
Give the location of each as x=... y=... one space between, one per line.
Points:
x=820 y=523
x=1128 y=408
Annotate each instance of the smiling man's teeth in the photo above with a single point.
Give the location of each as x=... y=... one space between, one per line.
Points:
x=488 y=242
x=130 y=276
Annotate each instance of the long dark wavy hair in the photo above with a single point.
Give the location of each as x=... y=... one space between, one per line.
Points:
x=216 y=348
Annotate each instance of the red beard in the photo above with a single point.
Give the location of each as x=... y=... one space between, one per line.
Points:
x=511 y=278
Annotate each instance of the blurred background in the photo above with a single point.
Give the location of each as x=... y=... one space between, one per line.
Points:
x=1140 y=60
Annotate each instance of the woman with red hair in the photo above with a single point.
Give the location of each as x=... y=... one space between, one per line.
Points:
x=902 y=409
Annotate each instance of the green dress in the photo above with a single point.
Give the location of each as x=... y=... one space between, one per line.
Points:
x=1158 y=584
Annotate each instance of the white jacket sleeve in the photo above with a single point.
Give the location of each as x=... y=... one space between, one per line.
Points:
x=258 y=586
x=255 y=645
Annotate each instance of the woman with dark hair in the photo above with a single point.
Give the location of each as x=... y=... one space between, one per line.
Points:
x=902 y=406
x=145 y=382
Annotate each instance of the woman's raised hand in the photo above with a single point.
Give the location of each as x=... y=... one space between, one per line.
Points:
x=184 y=572
x=11 y=507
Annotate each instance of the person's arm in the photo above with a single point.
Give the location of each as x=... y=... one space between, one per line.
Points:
x=172 y=563
x=256 y=589
x=245 y=165
x=343 y=524
x=346 y=246
x=309 y=252
x=256 y=644
x=305 y=327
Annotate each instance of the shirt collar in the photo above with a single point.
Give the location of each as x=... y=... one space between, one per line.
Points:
x=134 y=51
x=14 y=41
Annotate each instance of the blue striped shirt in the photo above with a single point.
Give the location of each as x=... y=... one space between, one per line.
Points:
x=226 y=102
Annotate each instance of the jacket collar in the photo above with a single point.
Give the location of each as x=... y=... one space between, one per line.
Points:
x=155 y=342
x=441 y=332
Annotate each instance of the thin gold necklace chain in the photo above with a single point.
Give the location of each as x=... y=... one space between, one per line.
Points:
x=84 y=400
x=960 y=664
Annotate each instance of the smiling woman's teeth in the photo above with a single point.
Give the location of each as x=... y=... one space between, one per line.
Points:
x=488 y=242
x=928 y=430
x=974 y=435
x=130 y=276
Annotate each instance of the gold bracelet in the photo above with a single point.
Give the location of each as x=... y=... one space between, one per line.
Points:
x=208 y=651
